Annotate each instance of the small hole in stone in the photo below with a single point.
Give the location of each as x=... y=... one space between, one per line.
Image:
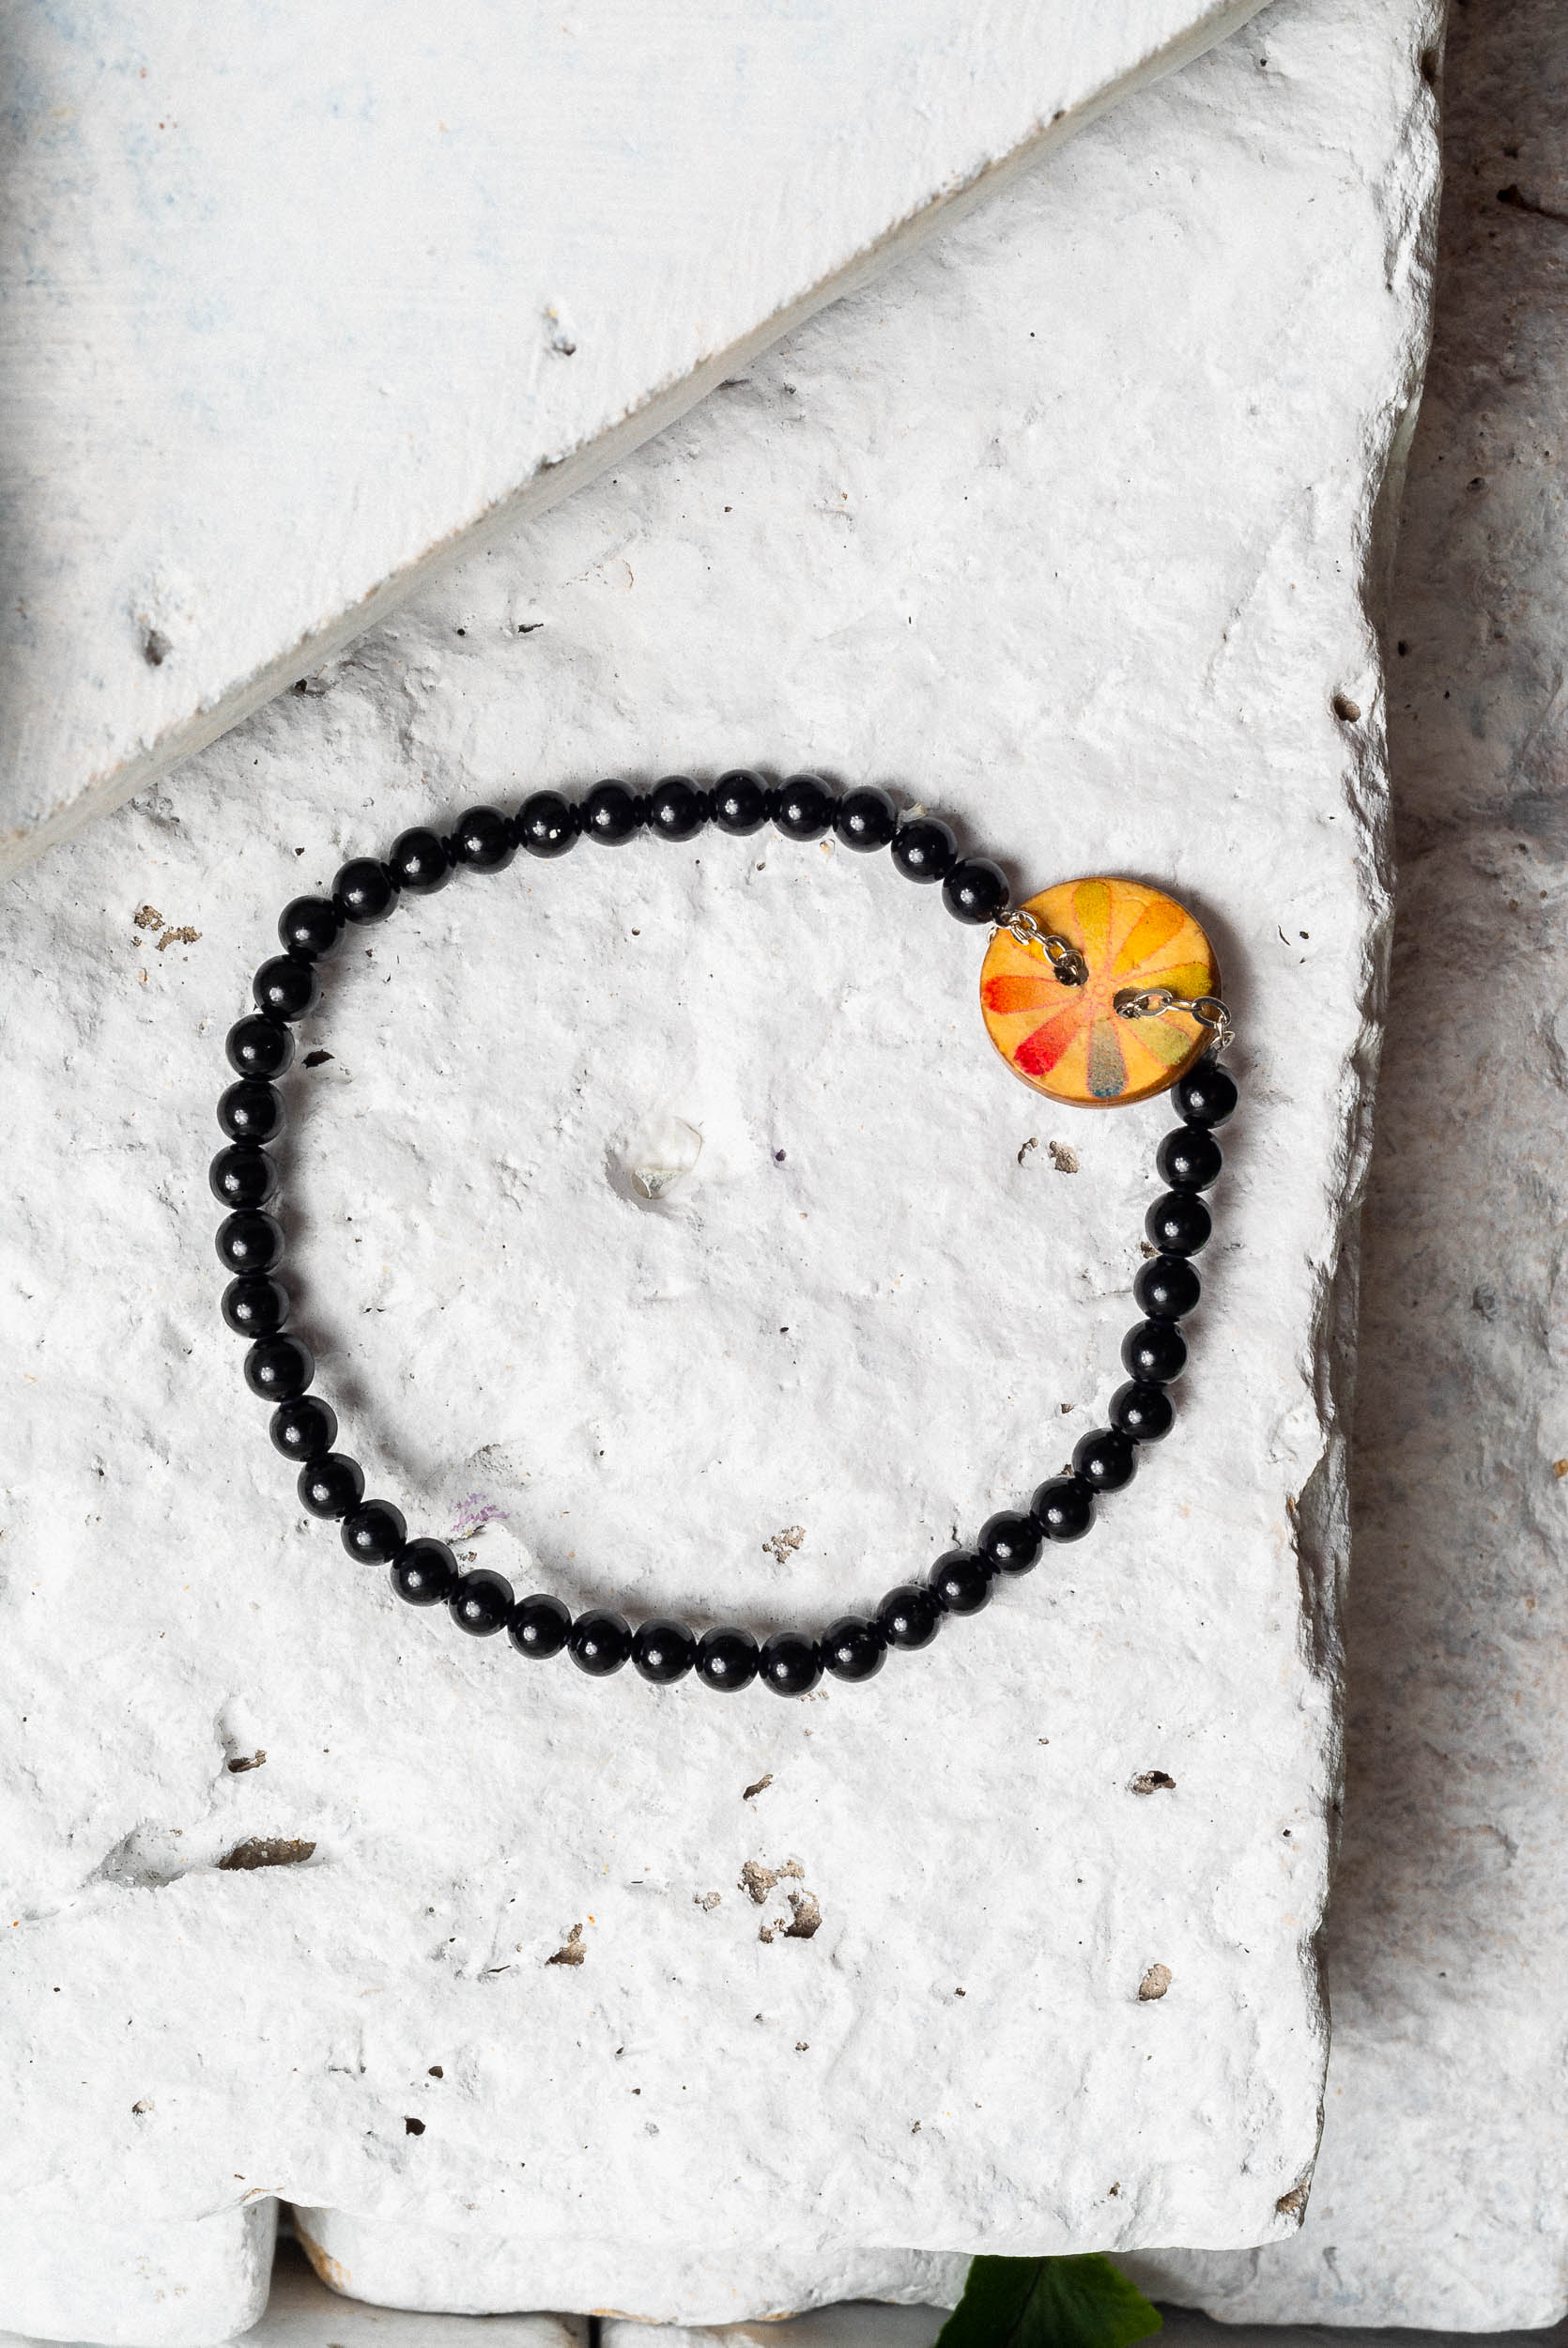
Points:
x=155 y=647
x=413 y=2127
x=1345 y=708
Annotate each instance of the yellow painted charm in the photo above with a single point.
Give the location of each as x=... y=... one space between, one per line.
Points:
x=1070 y=1041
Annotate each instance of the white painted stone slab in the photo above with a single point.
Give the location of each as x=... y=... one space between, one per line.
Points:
x=857 y=2324
x=182 y=2282
x=1443 y=2184
x=906 y=545
x=301 y=297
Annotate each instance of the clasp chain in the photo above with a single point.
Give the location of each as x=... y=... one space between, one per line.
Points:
x=1066 y=963
x=1208 y=1010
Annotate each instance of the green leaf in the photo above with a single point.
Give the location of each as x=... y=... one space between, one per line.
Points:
x=1047 y=2303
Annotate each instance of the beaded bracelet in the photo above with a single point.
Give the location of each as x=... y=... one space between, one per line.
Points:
x=1097 y=992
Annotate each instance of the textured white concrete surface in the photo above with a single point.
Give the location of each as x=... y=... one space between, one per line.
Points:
x=907 y=545
x=1442 y=2192
x=300 y=297
x=182 y=2282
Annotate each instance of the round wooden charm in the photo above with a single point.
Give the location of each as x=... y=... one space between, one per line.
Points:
x=1070 y=1041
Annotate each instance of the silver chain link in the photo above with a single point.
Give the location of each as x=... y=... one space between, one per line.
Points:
x=1208 y=1010
x=1064 y=957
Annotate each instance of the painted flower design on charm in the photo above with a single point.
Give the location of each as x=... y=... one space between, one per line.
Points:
x=1070 y=1041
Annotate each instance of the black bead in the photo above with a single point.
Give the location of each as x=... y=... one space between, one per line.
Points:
x=790 y=1664
x=854 y=1648
x=675 y=809
x=802 y=807
x=599 y=1642
x=663 y=1650
x=546 y=826
x=1189 y=1158
x=304 y=1430
x=424 y=1572
x=1154 y=1351
x=1105 y=1459
x=866 y=818
x=250 y=1241
x=962 y=1581
x=481 y=1602
x=1167 y=1288
x=740 y=802
x=254 y=1306
x=910 y=1615
x=726 y=1657
x=375 y=1532
x=278 y=1369
x=363 y=890
x=1144 y=1412
x=1178 y=1222
x=331 y=1485
x=309 y=926
x=250 y=1111
x=1063 y=1507
x=287 y=987
x=484 y=841
x=611 y=813
x=1010 y=1540
x=925 y=849
x=421 y=863
x=259 y=1047
x=540 y=1626
x=1206 y=1095
x=242 y=1176
x=975 y=890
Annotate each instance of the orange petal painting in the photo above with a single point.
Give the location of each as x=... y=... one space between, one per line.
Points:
x=1070 y=1041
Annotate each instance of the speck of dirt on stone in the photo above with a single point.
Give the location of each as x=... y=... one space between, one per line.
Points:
x=707 y=1901
x=436 y=2071
x=757 y=1881
x=1346 y=709
x=314 y=1060
x=413 y=2127
x=147 y=918
x=1153 y=1781
x=1062 y=1158
x=760 y=1787
x=239 y=1762
x=573 y=1952
x=780 y=1544
x=1153 y=1984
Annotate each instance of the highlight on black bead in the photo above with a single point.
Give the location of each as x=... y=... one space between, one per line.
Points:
x=975 y=890
x=331 y=1483
x=1178 y=1222
x=423 y=1572
x=925 y=849
x=910 y=1615
x=853 y=1649
x=1105 y=1459
x=251 y=1111
x=375 y=1532
x=600 y=1642
x=610 y=815
x=726 y=1657
x=310 y=926
x=363 y=892
x=962 y=1581
x=242 y=1176
x=790 y=1664
x=546 y=825
x=1143 y=1411
x=250 y=1240
x=1206 y=1095
x=481 y=1602
x=286 y=987
x=740 y=802
x=278 y=1369
x=663 y=1650
x=675 y=809
x=256 y=1305
x=482 y=839
x=1063 y=1507
x=540 y=1626
x=257 y=1046
x=1010 y=1540
x=1154 y=1350
x=420 y=861
x=866 y=818
x=305 y=1428
x=1189 y=1158
x=1167 y=1288
x=802 y=807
